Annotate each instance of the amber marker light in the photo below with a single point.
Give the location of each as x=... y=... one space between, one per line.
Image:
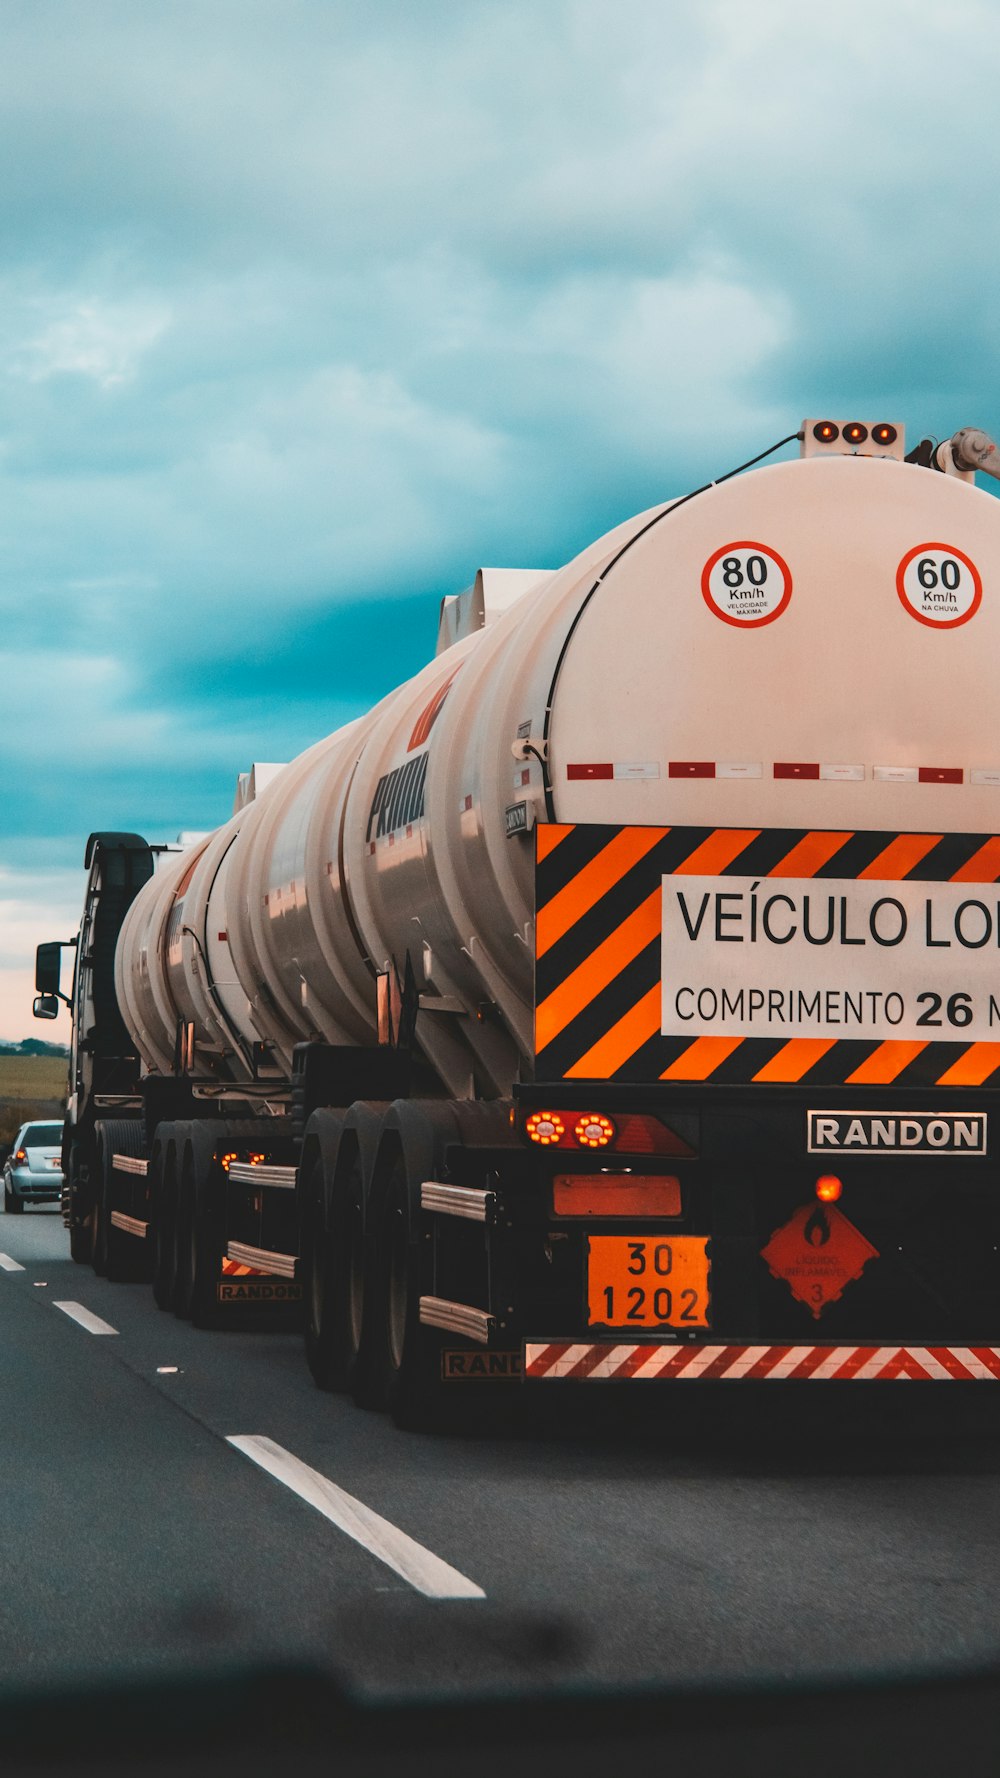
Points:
x=826 y=431
x=226 y=1159
x=594 y=1131
x=884 y=435
x=855 y=433
x=545 y=1128
x=255 y=1159
x=828 y=1188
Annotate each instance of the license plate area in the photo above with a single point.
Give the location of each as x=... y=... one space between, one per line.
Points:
x=646 y=1280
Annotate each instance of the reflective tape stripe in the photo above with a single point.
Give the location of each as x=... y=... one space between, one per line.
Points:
x=731 y=1362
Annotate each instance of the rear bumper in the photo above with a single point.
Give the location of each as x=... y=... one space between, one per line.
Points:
x=36 y=1188
x=607 y=1361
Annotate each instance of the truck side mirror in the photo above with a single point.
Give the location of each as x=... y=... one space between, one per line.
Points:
x=48 y=968
x=46 y=1006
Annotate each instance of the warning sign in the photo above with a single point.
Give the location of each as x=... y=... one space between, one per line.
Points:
x=830 y=957
x=746 y=584
x=939 y=585
x=817 y=1254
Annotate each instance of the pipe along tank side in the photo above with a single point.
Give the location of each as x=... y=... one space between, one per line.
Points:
x=337 y=987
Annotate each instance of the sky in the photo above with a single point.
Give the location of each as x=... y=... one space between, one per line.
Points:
x=309 y=308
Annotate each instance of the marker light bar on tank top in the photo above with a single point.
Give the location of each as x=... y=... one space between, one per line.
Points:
x=848 y=438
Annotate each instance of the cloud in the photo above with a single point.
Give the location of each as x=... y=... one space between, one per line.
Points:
x=308 y=310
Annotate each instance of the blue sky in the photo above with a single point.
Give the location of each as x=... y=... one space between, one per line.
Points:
x=308 y=309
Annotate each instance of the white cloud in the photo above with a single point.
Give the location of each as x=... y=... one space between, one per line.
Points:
x=92 y=338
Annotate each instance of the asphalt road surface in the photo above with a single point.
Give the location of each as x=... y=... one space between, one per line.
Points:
x=170 y=1497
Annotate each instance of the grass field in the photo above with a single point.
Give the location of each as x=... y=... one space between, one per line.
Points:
x=30 y=1086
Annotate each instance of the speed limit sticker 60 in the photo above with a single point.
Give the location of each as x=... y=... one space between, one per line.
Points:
x=939 y=585
x=746 y=584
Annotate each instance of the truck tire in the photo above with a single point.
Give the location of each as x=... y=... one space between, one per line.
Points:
x=333 y=1252
x=163 y=1169
x=123 y=1254
x=183 y=1271
x=410 y=1355
x=207 y=1221
x=81 y=1234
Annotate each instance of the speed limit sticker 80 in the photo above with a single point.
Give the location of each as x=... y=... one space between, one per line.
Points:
x=746 y=584
x=939 y=585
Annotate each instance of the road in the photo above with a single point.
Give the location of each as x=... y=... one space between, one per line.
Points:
x=673 y=1537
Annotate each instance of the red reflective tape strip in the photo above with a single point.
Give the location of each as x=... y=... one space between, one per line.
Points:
x=795 y=769
x=691 y=768
x=809 y=1362
x=631 y=1362
x=680 y=1358
x=767 y=1362
x=589 y=1362
x=902 y=1363
x=989 y=1356
x=723 y=1361
x=940 y=775
x=951 y=1361
x=854 y=1359
x=590 y=771
x=543 y=1362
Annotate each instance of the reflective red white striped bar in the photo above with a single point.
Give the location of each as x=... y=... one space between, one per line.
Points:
x=603 y=1362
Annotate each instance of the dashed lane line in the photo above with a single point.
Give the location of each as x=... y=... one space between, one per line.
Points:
x=421 y=1568
x=9 y=1265
x=92 y=1323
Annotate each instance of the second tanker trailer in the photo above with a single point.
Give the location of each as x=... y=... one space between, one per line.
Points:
x=620 y=998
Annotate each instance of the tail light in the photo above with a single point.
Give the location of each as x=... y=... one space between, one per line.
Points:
x=21 y=1158
x=626 y=1133
x=828 y=1188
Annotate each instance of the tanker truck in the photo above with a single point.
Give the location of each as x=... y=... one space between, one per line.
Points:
x=619 y=999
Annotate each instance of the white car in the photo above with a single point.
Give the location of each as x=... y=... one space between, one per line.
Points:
x=33 y=1171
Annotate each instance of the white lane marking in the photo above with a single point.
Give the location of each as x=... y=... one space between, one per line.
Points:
x=9 y=1265
x=402 y=1554
x=92 y=1323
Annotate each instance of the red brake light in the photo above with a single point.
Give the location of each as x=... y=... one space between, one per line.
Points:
x=21 y=1157
x=545 y=1127
x=593 y=1130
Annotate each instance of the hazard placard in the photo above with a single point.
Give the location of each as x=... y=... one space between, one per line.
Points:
x=647 y=1281
x=817 y=1254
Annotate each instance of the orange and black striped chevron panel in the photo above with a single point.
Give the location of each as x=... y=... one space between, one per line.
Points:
x=597 y=969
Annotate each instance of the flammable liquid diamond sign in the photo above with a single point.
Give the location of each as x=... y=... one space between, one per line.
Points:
x=817 y=1254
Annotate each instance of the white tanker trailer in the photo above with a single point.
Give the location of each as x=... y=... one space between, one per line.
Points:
x=619 y=998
